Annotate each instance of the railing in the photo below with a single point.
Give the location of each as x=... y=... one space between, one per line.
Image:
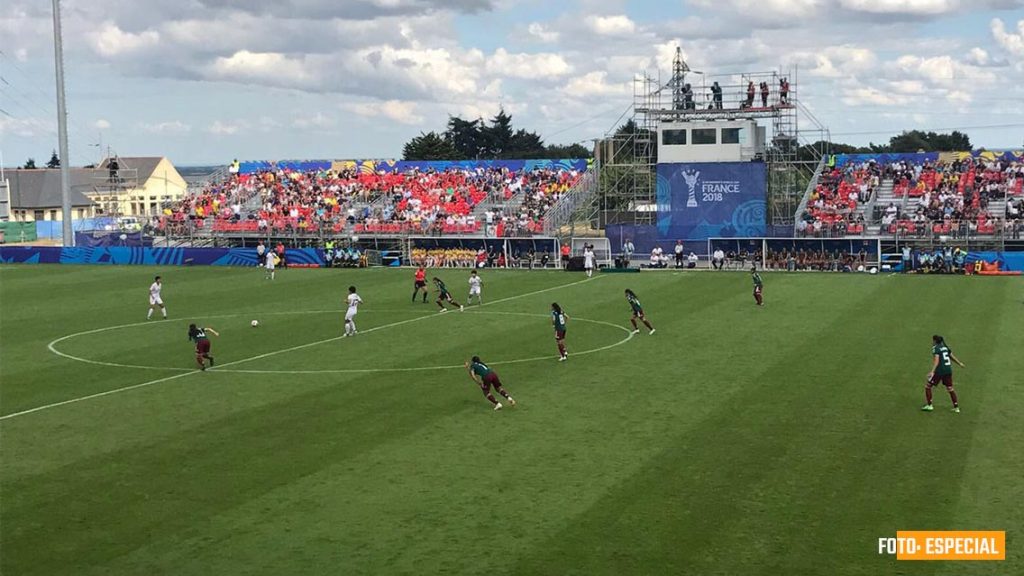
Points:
x=802 y=207
x=565 y=208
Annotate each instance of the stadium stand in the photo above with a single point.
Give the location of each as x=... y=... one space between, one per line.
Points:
x=314 y=198
x=917 y=196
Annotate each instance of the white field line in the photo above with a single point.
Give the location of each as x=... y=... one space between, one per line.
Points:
x=265 y=355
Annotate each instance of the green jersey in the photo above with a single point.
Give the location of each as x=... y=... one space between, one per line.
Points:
x=198 y=335
x=441 y=287
x=634 y=303
x=558 y=319
x=945 y=365
x=480 y=369
x=757 y=280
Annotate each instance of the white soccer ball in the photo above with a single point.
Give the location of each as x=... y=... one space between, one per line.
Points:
x=255 y=323
x=874 y=270
x=860 y=268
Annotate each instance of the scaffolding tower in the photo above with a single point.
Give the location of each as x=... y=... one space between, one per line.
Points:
x=626 y=158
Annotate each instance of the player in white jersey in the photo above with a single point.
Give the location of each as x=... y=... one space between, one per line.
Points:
x=271 y=261
x=353 y=308
x=475 y=282
x=155 y=301
x=588 y=260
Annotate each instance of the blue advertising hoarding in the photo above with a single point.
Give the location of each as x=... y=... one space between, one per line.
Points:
x=711 y=200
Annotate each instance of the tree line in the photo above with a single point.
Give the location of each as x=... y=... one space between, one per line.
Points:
x=481 y=140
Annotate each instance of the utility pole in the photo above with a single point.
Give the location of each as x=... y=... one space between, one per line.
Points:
x=62 y=129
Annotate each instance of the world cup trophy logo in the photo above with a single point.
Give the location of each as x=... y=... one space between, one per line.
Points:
x=691 y=176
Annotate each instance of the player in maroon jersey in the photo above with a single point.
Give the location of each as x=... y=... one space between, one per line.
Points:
x=198 y=335
x=486 y=378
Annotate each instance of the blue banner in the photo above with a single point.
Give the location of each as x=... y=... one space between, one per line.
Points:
x=299 y=257
x=711 y=200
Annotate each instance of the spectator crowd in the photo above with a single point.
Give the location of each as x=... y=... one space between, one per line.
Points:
x=430 y=201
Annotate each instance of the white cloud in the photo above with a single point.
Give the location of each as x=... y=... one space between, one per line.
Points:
x=101 y=124
x=940 y=71
x=765 y=9
x=915 y=7
x=594 y=84
x=836 y=61
x=542 y=33
x=862 y=95
x=617 y=25
x=110 y=41
x=256 y=66
x=502 y=63
x=318 y=121
x=397 y=110
x=170 y=127
x=219 y=128
x=1012 y=43
x=21 y=55
x=25 y=127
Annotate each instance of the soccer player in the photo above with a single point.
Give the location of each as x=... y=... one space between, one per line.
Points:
x=758 y=285
x=558 y=319
x=270 y=262
x=443 y=296
x=198 y=335
x=353 y=308
x=588 y=260
x=155 y=301
x=420 y=283
x=475 y=282
x=942 y=371
x=638 y=312
x=486 y=378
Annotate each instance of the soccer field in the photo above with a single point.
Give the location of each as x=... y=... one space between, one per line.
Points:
x=736 y=440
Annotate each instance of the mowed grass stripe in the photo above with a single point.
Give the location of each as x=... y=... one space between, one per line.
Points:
x=689 y=487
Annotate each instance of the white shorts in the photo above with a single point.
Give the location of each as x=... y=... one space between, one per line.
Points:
x=350 y=314
x=156 y=301
x=270 y=264
x=588 y=265
x=474 y=290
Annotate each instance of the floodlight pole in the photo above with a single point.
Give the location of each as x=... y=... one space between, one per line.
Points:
x=62 y=129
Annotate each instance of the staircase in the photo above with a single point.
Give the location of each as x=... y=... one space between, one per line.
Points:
x=883 y=197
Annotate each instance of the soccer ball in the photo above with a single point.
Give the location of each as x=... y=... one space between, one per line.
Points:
x=255 y=323
x=874 y=270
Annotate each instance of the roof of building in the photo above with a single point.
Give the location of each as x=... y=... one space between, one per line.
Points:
x=40 y=188
x=144 y=166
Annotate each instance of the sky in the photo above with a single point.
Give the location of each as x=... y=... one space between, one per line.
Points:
x=205 y=81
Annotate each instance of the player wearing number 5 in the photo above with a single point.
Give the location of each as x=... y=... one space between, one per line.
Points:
x=942 y=371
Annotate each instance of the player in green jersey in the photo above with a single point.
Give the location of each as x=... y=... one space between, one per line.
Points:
x=444 y=296
x=758 y=285
x=942 y=371
x=638 y=312
x=486 y=378
x=558 y=319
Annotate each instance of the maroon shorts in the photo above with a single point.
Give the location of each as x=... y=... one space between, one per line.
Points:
x=757 y=289
x=490 y=380
x=944 y=379
x=559 y=334
x=203 y=347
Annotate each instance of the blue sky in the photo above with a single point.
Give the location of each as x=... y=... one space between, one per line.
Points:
x=205 y=81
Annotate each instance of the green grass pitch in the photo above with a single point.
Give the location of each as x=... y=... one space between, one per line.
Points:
x=734 y=441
